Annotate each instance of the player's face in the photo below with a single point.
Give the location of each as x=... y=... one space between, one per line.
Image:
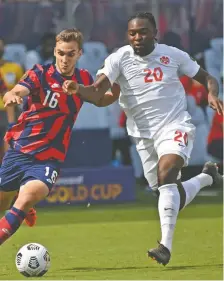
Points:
x=141 y=36
x=67 y=54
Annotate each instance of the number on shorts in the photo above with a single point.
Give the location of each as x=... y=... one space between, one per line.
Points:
x=54 y=174
x=180 y=137
x=47 y=171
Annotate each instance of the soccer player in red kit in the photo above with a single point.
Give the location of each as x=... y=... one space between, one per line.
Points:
x=39 y=140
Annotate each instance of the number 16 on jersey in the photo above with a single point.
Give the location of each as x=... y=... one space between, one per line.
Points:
x=52 y=100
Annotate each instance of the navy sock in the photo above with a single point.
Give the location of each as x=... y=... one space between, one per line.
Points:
x=10 y=223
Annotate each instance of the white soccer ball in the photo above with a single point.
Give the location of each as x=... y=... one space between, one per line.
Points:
x=33 y=260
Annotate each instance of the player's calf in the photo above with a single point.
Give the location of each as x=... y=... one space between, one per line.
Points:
x=10 y=223
x=169 y=167
x=30 y=194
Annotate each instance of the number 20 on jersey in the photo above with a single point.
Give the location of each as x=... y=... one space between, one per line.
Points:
x=153 y=75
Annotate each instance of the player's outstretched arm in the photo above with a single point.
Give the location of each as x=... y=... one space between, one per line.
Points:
x=110 y=96
x=212 y=86
x=15 y=96
x=93 y=93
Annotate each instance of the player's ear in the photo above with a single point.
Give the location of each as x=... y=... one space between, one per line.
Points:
x=80 y=53
x=54 y=51
x=155 y=32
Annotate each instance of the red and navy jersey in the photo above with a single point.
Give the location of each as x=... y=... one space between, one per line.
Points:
x=44 y=127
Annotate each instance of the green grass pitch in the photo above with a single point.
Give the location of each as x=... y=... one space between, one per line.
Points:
x=110 y=242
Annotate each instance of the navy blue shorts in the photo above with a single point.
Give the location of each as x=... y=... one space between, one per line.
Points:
x=18 y=168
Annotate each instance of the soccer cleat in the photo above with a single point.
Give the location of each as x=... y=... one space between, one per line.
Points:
x=212 y=170
x=31 y=217
x=160 y=254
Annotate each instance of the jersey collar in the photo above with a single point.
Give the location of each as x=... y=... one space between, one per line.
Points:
x=145 y=58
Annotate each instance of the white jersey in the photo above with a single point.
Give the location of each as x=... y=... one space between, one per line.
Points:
x=151 y=92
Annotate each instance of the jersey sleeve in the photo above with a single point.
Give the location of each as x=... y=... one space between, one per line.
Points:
x=111 y=67
x=187 y=65
x=31 y=79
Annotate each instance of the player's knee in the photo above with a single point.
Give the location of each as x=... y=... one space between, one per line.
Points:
x=167 y=174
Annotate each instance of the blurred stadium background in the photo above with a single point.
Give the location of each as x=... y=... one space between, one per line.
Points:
x=102 y=165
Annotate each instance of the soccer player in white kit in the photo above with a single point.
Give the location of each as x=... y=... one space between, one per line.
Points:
x=145 y=77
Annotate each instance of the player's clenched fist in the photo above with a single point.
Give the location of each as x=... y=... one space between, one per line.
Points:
x=70 y=87
x=12 y=98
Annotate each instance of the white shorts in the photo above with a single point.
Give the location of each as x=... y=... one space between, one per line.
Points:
x=174 y=138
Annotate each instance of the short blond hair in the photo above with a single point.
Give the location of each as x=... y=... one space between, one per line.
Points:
x=71 y=34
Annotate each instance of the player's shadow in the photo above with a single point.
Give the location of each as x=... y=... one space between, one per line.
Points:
x=103 y=268
x=183 y=267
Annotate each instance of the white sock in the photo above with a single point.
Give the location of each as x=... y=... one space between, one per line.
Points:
x=194 y=185
x=169 y=203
